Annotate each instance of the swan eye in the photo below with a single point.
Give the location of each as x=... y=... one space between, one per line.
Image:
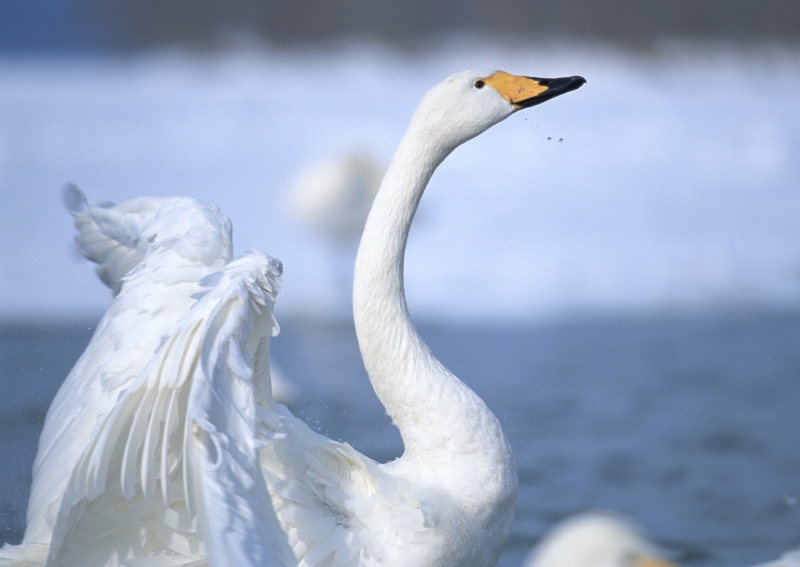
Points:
x=479 y=84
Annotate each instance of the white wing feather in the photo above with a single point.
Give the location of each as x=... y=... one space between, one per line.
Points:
x=337 y=506
x=187 y=240
x=187 y=425
x=111 y=236
x=119 y=237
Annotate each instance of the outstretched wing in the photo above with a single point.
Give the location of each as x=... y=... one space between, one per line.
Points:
x=118 y=237
x=111 y=236
x=186 y=240
x=172 y=478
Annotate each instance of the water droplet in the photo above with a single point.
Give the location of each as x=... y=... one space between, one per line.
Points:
x=561 y=139
x=790 y=500
x=549 y=138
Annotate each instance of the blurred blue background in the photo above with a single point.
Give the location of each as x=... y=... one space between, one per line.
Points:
x=616 y=272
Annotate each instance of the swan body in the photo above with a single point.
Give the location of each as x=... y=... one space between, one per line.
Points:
x=595 y=539
x=165 y=445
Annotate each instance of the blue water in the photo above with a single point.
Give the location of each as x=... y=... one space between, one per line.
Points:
x=690 y=426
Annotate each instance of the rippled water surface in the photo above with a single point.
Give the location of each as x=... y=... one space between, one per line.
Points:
x=689 y=426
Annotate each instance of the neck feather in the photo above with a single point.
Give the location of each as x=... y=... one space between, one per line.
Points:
x=438 y=416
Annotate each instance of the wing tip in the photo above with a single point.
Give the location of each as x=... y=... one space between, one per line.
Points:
x=74 y=199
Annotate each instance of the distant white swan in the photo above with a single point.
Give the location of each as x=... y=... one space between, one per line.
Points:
x=165 y=447
x=788 y=559
x=335 y=195
x=595 y=539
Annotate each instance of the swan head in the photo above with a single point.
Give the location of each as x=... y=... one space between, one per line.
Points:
x=468 y=103
x=596 y=539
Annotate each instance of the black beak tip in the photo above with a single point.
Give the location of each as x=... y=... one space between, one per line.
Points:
x=570 y=84
x=555 y=87
x=574 y=83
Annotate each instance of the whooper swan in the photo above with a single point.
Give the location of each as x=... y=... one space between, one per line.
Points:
x=165 y=446
x=595 y=539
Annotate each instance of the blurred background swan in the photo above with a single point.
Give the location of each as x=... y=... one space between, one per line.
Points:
x=332 y=197
x=596 y=539
x=788 y=559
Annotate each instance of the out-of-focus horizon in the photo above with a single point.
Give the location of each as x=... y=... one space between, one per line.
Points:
x=674 y=189
x=125 y=26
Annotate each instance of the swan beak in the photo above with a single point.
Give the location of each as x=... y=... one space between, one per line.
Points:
x=524 y=92
x=649 y=561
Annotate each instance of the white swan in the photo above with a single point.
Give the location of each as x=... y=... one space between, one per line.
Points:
x=788 y=559
x=164 y=440
x=334 y=195
x=595 y=539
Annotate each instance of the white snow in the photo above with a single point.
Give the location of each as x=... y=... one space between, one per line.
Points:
x=676 y=186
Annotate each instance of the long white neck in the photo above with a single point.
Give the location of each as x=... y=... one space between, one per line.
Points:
x=443 y=424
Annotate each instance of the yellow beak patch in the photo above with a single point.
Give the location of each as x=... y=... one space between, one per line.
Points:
x=524 y=92
x=514 y=88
